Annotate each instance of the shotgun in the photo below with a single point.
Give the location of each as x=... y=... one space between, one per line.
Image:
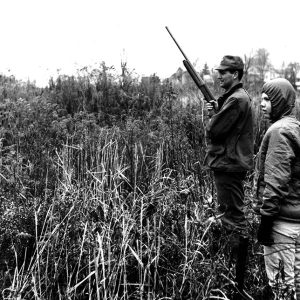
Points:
x=208 y=96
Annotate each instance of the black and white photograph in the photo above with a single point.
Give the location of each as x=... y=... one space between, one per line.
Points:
x=150 y=150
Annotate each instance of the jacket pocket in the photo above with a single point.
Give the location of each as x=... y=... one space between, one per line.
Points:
x=216 y=150
x=232 y=148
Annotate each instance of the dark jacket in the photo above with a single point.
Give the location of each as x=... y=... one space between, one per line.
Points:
x=230 y=133
x=278 y=164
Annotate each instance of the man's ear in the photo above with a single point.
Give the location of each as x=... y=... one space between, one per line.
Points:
x=235 y=74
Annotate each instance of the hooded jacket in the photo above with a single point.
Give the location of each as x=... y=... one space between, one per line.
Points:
x=230 y=133
x=278 y=164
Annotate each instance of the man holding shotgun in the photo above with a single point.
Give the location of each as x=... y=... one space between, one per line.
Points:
x=229 y=154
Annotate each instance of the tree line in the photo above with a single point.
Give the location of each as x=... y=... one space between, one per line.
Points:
x=259 y=68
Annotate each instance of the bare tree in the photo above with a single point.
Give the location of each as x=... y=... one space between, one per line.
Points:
x=248 y=63
x=262 y=62
x=291 y=71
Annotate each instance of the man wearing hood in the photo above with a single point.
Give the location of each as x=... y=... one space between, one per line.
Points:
x=278 y=190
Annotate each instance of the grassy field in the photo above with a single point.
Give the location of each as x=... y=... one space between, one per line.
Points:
x=112 y=201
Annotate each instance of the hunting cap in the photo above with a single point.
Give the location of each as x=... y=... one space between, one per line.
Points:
x=230 y=62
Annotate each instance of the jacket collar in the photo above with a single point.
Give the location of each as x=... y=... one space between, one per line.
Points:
x=228 y=93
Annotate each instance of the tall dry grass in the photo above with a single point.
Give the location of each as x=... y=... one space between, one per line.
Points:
x=104 y=237
x=114 y=212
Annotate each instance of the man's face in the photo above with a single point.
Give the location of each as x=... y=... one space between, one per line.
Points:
x=226 y=78
x=266 y=105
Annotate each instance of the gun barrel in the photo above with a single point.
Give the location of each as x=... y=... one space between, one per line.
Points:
x=197 y=79
x=176 y=43
x=199 y=82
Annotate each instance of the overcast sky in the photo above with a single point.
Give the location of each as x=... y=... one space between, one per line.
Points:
x=40 y=36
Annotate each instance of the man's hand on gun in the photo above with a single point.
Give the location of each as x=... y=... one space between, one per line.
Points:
x=211 y=106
